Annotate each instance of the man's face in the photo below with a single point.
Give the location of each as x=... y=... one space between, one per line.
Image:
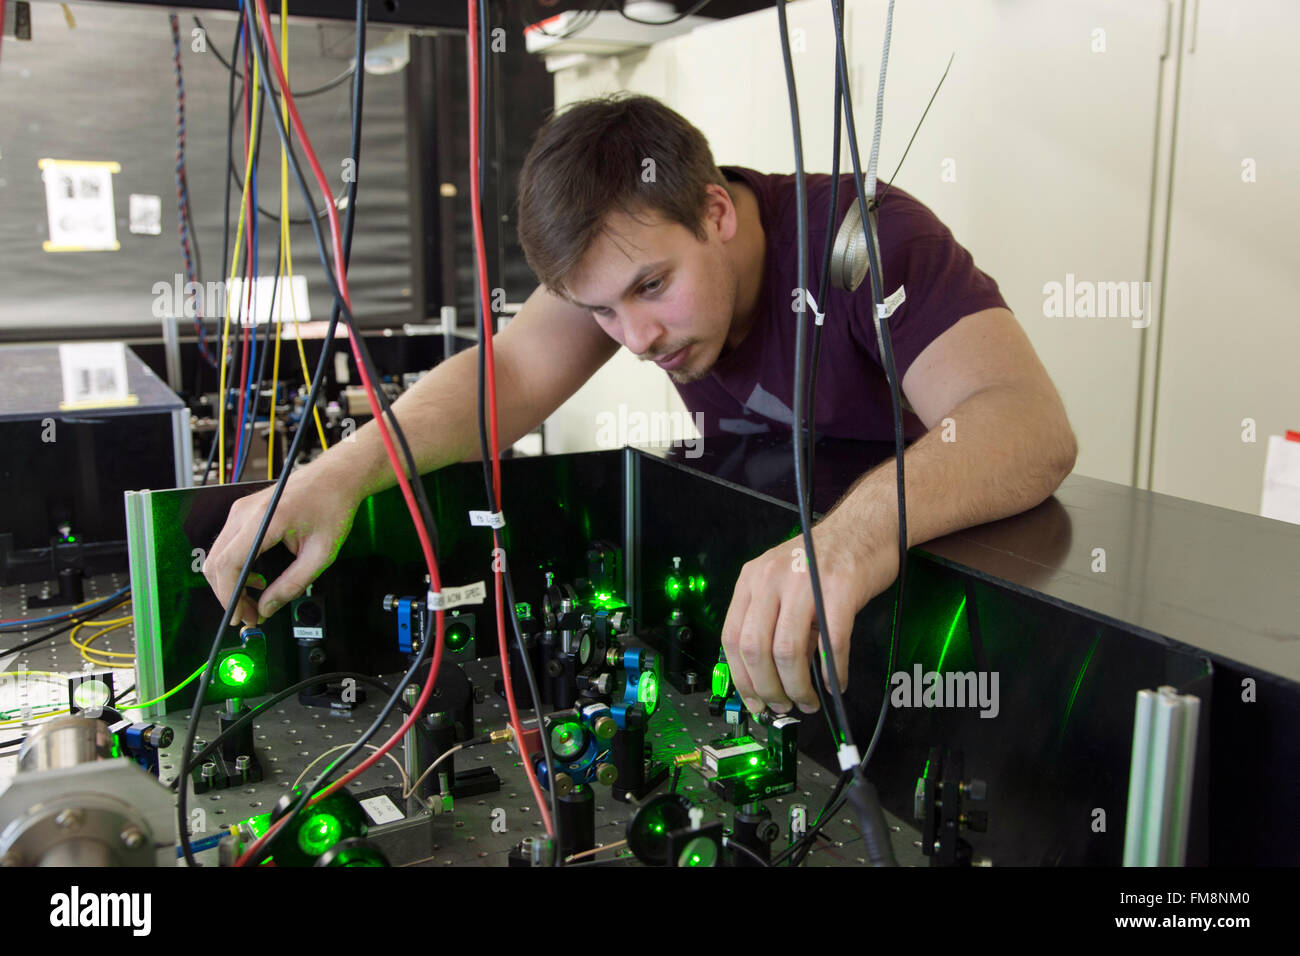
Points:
x=659 y=291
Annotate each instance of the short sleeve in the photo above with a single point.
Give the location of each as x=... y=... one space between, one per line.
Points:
x=941 y=286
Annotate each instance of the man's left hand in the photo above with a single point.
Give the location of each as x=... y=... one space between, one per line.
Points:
x=771 y=632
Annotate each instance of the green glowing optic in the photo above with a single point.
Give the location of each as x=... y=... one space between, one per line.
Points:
x=457 y=636
x=656 y=828
x=522 y=610
x=647 y=692
x=696 y=583
x=673 y=587
x=721 y=679
x=567 y=741
x=753 y=761
x=319 y=833
x=695 y=859
x=71 y=539
x=236 y=669
x=606 y=599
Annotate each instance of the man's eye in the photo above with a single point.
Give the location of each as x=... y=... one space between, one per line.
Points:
x=654 y=285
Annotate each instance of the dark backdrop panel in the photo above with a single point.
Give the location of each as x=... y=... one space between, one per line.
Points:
x=106 y=90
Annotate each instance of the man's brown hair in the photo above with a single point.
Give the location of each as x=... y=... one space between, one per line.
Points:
x=624 y=153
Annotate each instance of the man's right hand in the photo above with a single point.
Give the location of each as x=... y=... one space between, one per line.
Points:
x=312 y=520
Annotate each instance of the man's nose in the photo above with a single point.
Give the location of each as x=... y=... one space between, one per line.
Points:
x=641 y=332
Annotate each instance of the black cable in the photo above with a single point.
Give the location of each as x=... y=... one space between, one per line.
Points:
x=62 y=628
x=733 y=844
x=340 y=307
x=485 y=453
x=891 y=373
x=863 y=795
x=822 y=291
x=322 y=779
x=112 y=701
x=249 y=410
x=277 y=698
x=70 y=614
x=182 y=818
x=924 y=113
x=261 y=369
x=225 y=254
x=801 y=393
x=313 y=91
x=663 y=23
x=207 y=468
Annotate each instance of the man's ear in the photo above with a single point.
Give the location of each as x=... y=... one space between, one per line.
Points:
x=720 y=212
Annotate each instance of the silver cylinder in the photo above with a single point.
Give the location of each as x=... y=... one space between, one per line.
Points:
x=78 y=853
x=65 y=742
x=411 y=753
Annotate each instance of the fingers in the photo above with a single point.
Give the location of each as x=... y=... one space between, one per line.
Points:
x=731 y=644
x=313 y=557
x=227 y=555
x=756 y=651
x=792 y=646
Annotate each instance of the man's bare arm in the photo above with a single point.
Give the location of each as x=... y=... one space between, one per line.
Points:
x=981 y=386
x=542 y=357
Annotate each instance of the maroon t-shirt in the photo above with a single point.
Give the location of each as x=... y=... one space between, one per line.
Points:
x=750 y=390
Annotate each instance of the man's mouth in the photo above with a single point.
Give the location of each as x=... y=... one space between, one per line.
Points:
x=670 y=362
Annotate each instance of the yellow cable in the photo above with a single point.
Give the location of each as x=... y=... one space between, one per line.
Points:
x=181 y=686
x=285 y=265
x=114 y=622
x=21 y=720
x=97 y=661
x=33 y=673
x=234 y=267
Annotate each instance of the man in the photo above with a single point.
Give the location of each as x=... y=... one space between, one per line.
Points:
x=640 y=240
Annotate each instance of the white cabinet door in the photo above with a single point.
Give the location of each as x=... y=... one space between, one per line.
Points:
x=1230 y=345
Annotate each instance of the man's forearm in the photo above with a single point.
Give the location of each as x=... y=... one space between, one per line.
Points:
x=1005 y=451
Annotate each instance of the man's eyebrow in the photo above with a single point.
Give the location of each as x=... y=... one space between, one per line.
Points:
x=641 y=275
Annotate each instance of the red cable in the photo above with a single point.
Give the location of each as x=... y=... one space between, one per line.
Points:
x=480 y=254
x=426 y=546
x=250 y=210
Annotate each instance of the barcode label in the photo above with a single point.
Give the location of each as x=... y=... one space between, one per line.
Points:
x=94 y=373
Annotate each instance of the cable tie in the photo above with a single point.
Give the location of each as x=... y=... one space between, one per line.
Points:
x=487 y=519
x=849 y=757
x=891 y=303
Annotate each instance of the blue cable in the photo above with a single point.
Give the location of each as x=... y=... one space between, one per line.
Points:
x=62 y=615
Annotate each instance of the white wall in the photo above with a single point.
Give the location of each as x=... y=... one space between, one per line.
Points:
x=1061 y=144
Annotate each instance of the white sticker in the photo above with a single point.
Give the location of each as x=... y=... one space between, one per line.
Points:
x=890 y=304
x=448 y=598
x=144 y=213
x=94 y=374
x=381 y=810
x=309 y=633
x=284 y=309
x=79 y=202
x=488 y=519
